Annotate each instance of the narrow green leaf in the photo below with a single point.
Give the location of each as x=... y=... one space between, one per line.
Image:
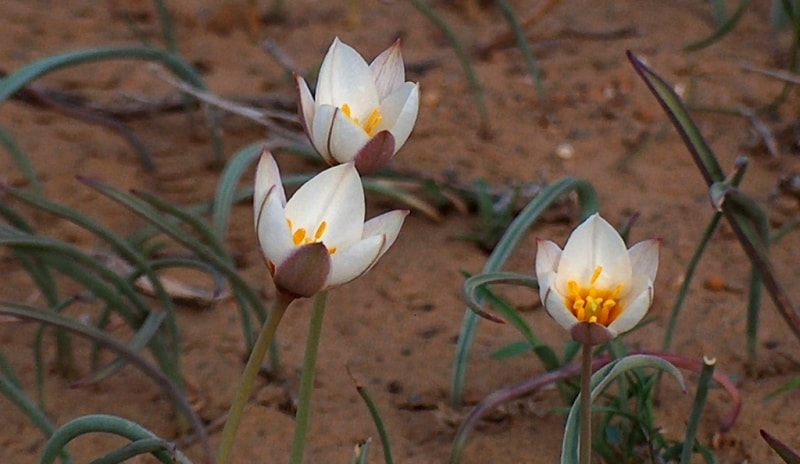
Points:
x=600 y=380
x=788 y=455
x=588 y=202
x=101 y=423
x=159 y=377
x=725 y=27
x=226 y=186
x=22 y=161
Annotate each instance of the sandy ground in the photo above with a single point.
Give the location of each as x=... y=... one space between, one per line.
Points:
x=395 y=328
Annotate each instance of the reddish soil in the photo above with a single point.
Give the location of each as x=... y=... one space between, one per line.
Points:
x=395 y=327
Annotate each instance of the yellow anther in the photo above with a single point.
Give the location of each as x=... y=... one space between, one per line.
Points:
x=373 y=121
x=592 y=304
x=370 y=125
x=299 y=236
x=596 y=275
x=320 y=230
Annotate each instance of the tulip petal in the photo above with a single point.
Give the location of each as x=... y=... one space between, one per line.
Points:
x=375 y=154
x=387 y=224
x=555 y=307
x=644 y=262
x=305 y=271
x=345 y=78
x=321 y=131
x=635 y=308
x=350 y=263
x=547 y=257
x=305 y=104
x=335 y=196
x=388 y=70
x=400 y=112
x=346 y=138
x=272 y=230
x=594 y=243
x=267 y=176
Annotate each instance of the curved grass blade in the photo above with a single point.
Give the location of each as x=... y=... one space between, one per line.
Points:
x=466 y=63
x=172 y=61
x=22 y=161
x=376 y=418
x=600 y=380
x=11 y=389
x=102 y=423
x=159 y=377
x=588 y=202
x=522 y=43
x=226 y=186
x=244 y=294
x=722 y=31
x=118 y=245
x=132 y=308
x=153 y=446
x=743 y=214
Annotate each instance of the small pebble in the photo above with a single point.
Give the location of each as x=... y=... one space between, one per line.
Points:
x=565 y=151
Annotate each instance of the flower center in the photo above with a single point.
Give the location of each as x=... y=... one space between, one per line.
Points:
x=301 y=237
x=592 y=304
x=372 y=122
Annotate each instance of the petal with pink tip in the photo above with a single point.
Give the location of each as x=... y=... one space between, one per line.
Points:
x=388 y=70
x=345 y=78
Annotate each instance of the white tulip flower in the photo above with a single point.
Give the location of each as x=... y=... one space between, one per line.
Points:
x=596 y=288
x=361 y=112
x=318 y=239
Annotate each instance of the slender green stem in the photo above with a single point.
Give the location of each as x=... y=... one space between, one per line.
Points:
x=586 y=405
x=249 y=376
x=307 y=380
x=703 y=384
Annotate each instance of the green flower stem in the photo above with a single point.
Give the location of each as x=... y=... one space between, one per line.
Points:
x=307 y=380
x=586 y=405
x=249 y=376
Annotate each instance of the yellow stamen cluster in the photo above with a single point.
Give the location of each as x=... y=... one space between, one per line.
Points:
x=370 y=126
x=300 y=236
x=592 y=304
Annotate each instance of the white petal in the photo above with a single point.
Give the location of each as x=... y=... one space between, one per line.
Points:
x=634 y=309
x=267 y=177
x=350 y=263
x=321 y=131
x=335 y=196
x=346 y=138
x=388 y=70
x=272 y=230
x=547 y=257
x=387 y=224
x=594 y=243
x=307 y=105
x=399 y=112
x=345 y=78
x=554 y=304
x=644 y=263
